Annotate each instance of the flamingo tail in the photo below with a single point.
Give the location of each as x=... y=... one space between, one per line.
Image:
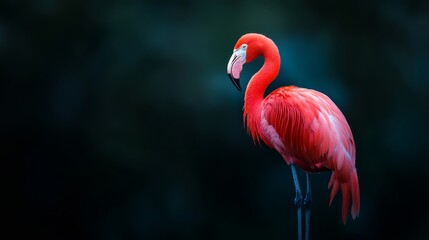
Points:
x=349 y=189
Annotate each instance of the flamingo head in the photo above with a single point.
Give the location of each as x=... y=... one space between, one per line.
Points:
x=246 y=50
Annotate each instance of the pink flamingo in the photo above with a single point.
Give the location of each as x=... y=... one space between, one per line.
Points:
x=303 y=125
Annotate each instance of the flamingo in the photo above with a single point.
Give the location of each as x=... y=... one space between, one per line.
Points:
x=304 y=126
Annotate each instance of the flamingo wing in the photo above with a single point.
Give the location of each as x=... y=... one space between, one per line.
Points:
x=309 y=130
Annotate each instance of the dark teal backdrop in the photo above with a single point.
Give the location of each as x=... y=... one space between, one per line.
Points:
x=118 y=121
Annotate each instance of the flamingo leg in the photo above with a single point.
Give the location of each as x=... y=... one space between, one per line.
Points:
x=307 y=207
x=297 y=200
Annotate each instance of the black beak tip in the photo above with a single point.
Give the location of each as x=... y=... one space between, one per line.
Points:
x=235 y=81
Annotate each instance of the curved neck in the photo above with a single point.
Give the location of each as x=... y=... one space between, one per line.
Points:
x=259 y=82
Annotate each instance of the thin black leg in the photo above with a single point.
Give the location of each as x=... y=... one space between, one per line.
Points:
x=298 y=200
x=307 y=206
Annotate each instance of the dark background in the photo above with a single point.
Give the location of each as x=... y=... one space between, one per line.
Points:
x=118 y=121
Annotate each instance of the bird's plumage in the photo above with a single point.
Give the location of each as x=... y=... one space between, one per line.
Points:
x=303 y=125
x=309 y=130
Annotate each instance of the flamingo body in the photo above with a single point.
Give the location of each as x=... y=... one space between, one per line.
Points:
x=303 y=125
x=309 y=130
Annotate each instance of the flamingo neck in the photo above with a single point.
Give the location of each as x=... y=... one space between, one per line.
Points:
x=254 y=95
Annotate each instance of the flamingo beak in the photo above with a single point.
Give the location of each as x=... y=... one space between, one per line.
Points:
x=235 y=81
x=235 y=65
